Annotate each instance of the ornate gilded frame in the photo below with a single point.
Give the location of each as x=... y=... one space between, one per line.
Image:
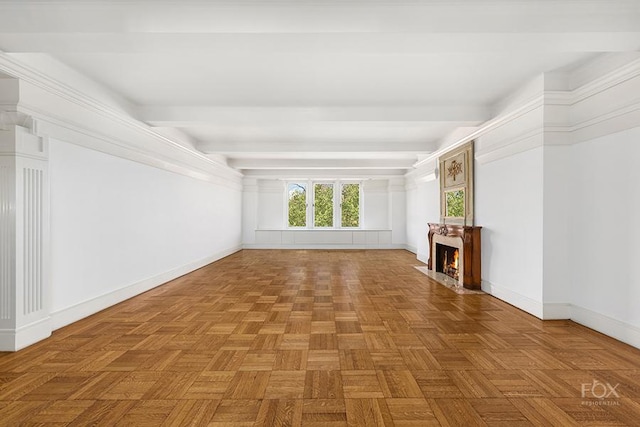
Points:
x=456 y=175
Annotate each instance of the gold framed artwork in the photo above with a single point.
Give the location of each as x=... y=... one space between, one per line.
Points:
x=456 y=185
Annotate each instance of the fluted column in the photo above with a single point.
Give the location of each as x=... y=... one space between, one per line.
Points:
x=24 y=234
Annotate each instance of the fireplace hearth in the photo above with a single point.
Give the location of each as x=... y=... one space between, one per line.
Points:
x=455 y=252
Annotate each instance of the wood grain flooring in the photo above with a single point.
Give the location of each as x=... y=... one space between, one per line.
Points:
x=319 y=338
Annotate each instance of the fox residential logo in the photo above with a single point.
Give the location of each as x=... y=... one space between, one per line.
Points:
x=600 y=394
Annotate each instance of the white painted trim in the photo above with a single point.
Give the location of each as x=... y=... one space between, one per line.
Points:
x=558 y=97
x=425 y=174
x=607 y=123
x=517 y=300
x=324 y=247
x=411 y=249
x=614 y=328
x=60 y=129
x=17 y=339
x=607 y=81
x=524 y=142
x=602 y=65
x=102 y=127
x=492 y=124
x=325 y=229
x=556 y=311
x=604 y=121
x=423 y=257
x=81 y=310
x=609 y=326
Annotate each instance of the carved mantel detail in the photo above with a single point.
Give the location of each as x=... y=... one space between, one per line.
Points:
x=471 y=244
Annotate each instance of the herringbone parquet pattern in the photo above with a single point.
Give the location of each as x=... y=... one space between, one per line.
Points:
x=319 y=338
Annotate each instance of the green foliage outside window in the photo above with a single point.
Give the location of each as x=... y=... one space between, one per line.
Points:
x=350 y=205
x=297 y=205
x=455 y=203
x=323 y=205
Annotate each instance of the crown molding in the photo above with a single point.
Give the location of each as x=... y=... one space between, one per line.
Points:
x=594 y=87
x=84 y=120
x=559 y=97
x=605 y=105
x=607 y=81
x=525 y=108
x=524 y=142
x=559 y=126
x=426 y=173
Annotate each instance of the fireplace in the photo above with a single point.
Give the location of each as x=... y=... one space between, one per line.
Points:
x=447 y=261
x=455 y=252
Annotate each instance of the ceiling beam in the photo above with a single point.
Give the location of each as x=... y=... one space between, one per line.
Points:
x=189 y=16
x=194 y=115
x=326 y=173
x=229 y=45
x=321 y=164
x=318 y=146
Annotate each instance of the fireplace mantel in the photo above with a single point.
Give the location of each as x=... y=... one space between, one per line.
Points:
x=471 y=244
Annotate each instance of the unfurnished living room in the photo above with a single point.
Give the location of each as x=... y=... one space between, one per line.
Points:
x=319 y=213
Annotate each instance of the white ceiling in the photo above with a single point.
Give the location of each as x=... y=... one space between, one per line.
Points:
x=286 y=86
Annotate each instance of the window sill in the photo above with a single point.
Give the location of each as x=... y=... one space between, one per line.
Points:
x=310 y=237
x=323 y=229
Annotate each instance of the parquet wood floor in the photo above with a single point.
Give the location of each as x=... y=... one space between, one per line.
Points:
x=319 y=338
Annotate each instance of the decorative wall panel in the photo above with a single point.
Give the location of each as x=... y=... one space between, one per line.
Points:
x=6 y=242
x=32 y=246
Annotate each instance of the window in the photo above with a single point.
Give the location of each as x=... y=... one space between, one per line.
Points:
x=350 y=205
x=322 y=205
x=297 y=198
x=328 y=204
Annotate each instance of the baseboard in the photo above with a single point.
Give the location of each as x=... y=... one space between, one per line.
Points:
x=412 y=249
x=556 y=311
x=324 y=247
x=606 y=325
x=81 y=310
x=17 y=339
x=517 y=300
x=614 y=328
x=423 y=257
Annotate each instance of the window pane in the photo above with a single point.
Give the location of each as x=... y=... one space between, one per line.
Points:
x=351 y=205
x=323 y=205
x=454 y=203
x=297 y=205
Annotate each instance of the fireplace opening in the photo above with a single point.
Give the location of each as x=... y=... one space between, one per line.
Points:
x=447 y=260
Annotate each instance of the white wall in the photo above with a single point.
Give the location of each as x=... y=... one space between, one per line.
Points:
x=558 y=213
x=271 y=210
x=605 y=233
x=557 y=196
x=118 y=226
x=423 y=206
x=376 y=208
x=508 y=199
x=398 y=211
x=508 y=205
x=249 y=210
x=383 y=218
